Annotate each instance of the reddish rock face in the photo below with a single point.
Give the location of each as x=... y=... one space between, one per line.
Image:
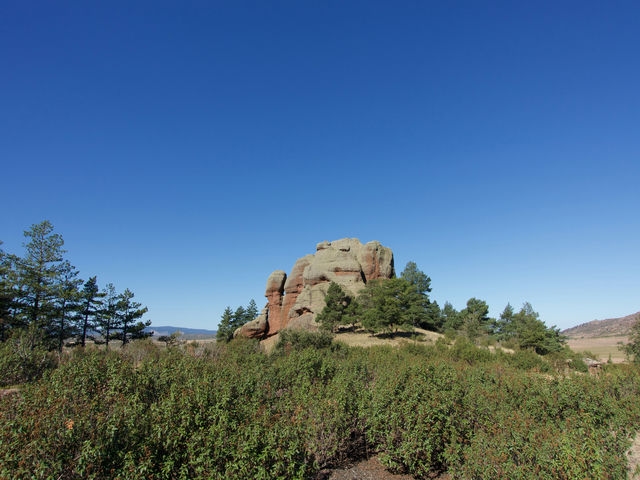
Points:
x=274 y=293
x=295 y=301
x=292 y=288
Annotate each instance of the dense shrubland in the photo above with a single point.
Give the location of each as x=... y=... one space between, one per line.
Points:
x=231 y=411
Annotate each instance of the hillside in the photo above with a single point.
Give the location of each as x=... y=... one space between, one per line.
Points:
x=188 y=333
x=611 y=327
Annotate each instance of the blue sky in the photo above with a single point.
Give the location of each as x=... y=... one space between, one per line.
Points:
x=185 y=150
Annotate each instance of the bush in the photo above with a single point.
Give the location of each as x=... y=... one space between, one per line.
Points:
x=238 y=413
x=301 y=339
x=23 y=358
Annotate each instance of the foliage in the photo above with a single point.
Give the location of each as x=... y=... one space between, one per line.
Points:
x=297 y=339
x=528 y=331
x=41 y=291
x=388 y=304
x=475 y=318
x=232 y=320
x=451 y=318
x=632 y=347
x=340 y=309
x=170 y=340
x=150 y=412
x=23 y=357
x=127 y=312
x=90 y=308
x=417 y=278
x=35 y=276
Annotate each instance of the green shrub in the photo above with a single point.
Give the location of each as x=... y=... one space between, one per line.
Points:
x=294 y=339
x=151 y=412
x=23 y=358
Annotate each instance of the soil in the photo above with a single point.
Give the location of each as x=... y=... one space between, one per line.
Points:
x=4 y=392
x=370 y=469
x=633 y=454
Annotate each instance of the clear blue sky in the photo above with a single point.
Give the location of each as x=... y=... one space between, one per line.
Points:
x=185 y=150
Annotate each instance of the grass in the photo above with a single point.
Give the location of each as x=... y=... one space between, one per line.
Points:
x=603 y=347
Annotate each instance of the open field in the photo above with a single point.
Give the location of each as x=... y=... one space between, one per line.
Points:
x=602 y=347
x=361 y=338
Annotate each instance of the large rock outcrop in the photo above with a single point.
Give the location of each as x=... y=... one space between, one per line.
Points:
x=294 y=301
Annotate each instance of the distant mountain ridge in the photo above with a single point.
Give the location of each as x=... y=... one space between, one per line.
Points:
x=168 y=330
x=610 y=327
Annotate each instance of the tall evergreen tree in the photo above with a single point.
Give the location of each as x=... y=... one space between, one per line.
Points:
x=339 y=309
x=426 y=314
x=91 y=305
x=251 y=312
x=532 y=333
x=128 y=313
x=504 y=327
x=232 y=320
x=475 y=318
x=416 y=277
x=388 y=304
x=6 y=295
x=225 y=327
x=65 y=304
x=451 y=318
x=37 y=272
x=107 y=315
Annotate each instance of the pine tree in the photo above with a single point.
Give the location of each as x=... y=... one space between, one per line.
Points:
x=91 y=305
x=251 y=312
x=232 y=320
x=337 y=309
x=225 y=327
x=6 y=295
x=416 y=277
x=65 y=304
x=37 y=272
x=107 y=315
x=127 y=314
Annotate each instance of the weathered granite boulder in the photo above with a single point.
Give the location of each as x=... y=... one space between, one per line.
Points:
x=295 y=301
x=256 y=328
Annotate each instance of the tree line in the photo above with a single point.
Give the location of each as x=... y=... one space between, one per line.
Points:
x=403 y=302
x=45 y=304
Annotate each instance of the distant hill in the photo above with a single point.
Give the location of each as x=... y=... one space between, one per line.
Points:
x=610 y=327
x=187 y=332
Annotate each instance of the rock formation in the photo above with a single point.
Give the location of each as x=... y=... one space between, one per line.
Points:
x=294 y=301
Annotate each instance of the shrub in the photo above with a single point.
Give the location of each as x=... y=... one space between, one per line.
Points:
x=294 y=339
x=23 y=358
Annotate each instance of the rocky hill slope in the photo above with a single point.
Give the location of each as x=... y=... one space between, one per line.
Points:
x=610 y=327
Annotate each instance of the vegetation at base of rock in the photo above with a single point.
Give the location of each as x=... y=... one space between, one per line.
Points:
x=233 y=319
x=340 y=309
x=385 y=305
x=230 y=411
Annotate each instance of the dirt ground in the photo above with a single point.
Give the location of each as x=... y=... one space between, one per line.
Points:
x=370 y=469
x=633 y=454
x=364 y=339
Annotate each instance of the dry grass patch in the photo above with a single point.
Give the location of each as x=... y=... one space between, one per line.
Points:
x=600 y=346
x=362 y=338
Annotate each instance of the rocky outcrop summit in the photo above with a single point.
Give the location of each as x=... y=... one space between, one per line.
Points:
x=294 y=301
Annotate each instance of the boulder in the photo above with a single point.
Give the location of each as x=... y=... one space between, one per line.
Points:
x=256 y=328
x=294 y=301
